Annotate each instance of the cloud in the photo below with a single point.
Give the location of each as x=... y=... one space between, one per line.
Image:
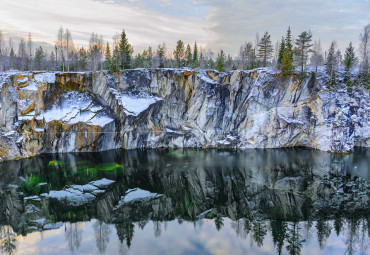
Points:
x=234 y=22
x=144 y=26
x=218 y=24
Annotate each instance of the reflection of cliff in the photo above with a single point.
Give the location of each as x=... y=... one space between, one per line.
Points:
x=132 y=188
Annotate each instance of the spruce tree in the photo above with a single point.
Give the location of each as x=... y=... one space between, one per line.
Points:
x=125 y=52
x=188 y=56
x=287 y=62
x=303 y=47
x=160 y=54
x=281 y=53
x=349 y=57
x=220 y=66
x=179 y=53
x=331 y=64
x=195 y=56
x=108 y=58
x=265 y=48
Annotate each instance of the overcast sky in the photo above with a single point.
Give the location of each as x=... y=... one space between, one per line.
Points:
x=212 y=23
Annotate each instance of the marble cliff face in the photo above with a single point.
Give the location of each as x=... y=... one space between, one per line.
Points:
x=151 y=108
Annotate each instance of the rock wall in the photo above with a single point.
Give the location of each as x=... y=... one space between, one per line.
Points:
x=150 y=108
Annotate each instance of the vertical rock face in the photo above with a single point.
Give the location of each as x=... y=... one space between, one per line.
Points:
x=70 y=112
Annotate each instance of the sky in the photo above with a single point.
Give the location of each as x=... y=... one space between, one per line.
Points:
x=215 y=24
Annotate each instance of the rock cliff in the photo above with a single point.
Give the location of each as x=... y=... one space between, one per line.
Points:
x=149 y=108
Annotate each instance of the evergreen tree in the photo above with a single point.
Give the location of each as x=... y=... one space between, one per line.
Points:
x=331 y=63
x=108 y=57
x=188 y=56
x=220 y=66
x=195 y=56
x=125 y=52
x=39 y=58
x=265 y=48
x=82 y=59
x=281 y=53
x=303 y=47
x=349 y=58
x=179 y=53
x=287 y=62
x=161 y=57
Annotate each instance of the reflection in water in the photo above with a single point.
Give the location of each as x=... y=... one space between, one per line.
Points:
x=288 y=201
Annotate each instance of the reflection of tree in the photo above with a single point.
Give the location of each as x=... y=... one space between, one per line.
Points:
x=352 y=235
x=73 y=234
x=102 y=232
x=294 y=239
x=219 y=223
x=125 y=232
x=338 y=224
x=278 y=230
x=157 y=228
x=7 y=237
x=258 y=232
x=323 y=228
x=364 y=237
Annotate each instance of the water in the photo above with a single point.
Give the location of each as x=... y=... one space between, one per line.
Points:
x=288 y=201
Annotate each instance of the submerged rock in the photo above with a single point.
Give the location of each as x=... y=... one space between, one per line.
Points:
x=151 y=108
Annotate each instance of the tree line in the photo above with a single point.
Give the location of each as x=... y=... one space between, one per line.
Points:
x=285 y=56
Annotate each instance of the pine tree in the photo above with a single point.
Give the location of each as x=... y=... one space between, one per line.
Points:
x=188 y=56
x=349 y=61
x=179 y=53
x=125 y=52
x=195 y=56
x=108 y=57
x=303 y=47
x=161 y=57
x=349 y=58
x=281 y=53
x=82 y=59
x=265 y=48
x=220 y=66
x=39 y=58
x=331 y=63
x=287 y=62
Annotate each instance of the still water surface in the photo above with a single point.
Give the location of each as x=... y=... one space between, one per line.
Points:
x=186 y=202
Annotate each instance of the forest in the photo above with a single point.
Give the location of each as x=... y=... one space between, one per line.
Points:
x=286 y=56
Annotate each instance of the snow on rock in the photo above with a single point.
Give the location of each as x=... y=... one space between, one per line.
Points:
x=77 y=195
x=135 y=104
x=76 y=107
x=45 y=77
x=102 y=183
x=137 y=194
